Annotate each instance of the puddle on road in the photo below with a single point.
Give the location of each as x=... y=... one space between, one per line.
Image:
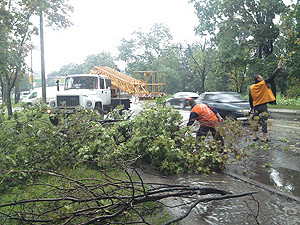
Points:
x=284 y=179
x=273 y=209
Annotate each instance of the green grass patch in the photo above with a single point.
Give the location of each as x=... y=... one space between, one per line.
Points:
x=297 y=107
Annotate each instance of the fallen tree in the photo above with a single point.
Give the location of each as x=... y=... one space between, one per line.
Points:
x=93 y=200
x=78 y=171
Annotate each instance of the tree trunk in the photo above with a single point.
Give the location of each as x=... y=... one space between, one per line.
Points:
x=17 y=94
x=8 y=102
x=8 y=86
x=2 y=91
x=259 y=52
x=203 y=76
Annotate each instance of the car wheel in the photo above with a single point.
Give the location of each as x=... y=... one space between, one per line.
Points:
x=182 y=105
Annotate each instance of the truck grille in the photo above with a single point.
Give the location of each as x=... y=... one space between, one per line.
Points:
x=65 y=101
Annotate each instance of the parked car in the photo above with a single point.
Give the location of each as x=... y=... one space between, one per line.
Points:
x=180 y=99
x=230 y=105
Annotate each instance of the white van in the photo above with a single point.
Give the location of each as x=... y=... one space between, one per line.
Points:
x=23 y=94
x=35 y=95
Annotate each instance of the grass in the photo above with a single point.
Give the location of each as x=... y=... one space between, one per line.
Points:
x=284 y=107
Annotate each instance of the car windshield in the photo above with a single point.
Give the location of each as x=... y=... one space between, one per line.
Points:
x=191 y=95
x=81 y=82
x=186 y=95
x=231 y=97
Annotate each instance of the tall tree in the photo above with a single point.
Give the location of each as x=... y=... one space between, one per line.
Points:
x=144 y=50
x=291 y=27
x=233 y=58
x=101 y=59
x=200 y=63
x=154 y=51
x=16 y=31
x=253 y=19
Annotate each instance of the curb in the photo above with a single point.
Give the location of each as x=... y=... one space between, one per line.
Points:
x=264 y=187
x=290 y=113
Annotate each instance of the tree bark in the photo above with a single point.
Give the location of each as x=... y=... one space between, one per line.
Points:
x=8 y=89
x=17 y=94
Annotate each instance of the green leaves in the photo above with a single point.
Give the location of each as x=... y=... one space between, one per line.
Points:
x=154 y=136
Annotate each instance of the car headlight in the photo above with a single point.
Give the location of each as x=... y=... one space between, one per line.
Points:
x=52 y=103
x=89 y=103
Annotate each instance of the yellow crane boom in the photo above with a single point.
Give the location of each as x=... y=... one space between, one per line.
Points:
x=120 y=80
x=144 y=84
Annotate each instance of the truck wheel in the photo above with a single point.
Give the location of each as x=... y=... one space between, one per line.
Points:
x=98 y=108
x=53 y=119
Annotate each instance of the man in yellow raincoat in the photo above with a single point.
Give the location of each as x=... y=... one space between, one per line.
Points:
x=259 y=96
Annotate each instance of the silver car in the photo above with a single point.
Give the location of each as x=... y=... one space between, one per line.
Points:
x=180 y=99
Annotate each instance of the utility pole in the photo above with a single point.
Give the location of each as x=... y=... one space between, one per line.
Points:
x=42 y=56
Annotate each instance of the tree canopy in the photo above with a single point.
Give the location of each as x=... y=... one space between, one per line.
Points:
x=16 y=30
x=250 y=21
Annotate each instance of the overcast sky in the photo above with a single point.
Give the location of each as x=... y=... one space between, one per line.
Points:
x=99 y=25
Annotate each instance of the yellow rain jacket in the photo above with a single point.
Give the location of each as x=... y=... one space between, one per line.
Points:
x=261 y=93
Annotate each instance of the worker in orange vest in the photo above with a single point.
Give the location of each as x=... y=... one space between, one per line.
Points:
x=259 y=96
x=208 y=119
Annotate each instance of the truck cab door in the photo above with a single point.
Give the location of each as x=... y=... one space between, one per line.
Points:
x=104 y=92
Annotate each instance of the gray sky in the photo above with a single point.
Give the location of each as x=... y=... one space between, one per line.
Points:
x=99 y=25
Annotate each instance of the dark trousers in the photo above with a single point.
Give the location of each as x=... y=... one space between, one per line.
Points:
x=203 y=131
x=260 y=113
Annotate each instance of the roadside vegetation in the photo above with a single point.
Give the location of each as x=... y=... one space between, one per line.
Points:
x=283 y=102
x=85 y=168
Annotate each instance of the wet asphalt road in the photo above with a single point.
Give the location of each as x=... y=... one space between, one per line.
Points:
x=277 y=163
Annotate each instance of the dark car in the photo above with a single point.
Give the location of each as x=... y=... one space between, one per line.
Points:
x=180 y=99
x=230 y=105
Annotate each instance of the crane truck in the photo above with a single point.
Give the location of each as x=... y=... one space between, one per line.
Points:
x=90 y=91
x=100 y=90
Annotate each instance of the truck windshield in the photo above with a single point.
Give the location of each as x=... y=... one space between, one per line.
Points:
x=81 y=82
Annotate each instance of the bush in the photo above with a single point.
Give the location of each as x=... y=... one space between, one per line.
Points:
x=287 y=101
x=154 y=136
x=293 y=90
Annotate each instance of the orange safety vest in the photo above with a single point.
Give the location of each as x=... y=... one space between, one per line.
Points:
x=261 y=93
x=206 y=116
